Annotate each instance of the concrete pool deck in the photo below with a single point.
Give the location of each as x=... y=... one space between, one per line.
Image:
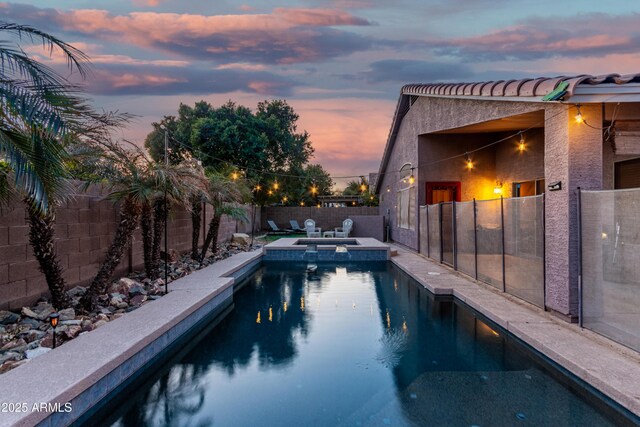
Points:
x=88 y=368
x=611 y=368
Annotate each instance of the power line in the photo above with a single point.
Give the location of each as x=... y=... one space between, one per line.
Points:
x=423 y=165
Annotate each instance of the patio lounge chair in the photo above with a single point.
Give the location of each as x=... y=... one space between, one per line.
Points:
x=312 y=231
x=296 y=227
x=344 y=231
x=277 y=230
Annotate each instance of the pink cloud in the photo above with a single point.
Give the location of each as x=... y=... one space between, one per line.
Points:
x=286 y=35
x=152 y=3
x=319 y=17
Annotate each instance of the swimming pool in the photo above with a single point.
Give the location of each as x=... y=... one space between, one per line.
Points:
x=353 y=344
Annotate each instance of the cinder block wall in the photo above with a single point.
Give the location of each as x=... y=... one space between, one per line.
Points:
x=84 y=229
x=326 y=218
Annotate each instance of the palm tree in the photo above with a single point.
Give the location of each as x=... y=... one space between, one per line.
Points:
x=122 y=170
x=180 y=183
x=38 y=108
x=224 y=195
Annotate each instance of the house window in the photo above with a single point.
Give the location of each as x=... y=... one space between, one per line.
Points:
x=528 y=188
x=627 y=174
x=406 y=208
x=438 y=192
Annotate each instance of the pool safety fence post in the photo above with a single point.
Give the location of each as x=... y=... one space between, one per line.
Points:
x=454 y=230
x=440 y=225
x=579 y=202
x=166 y=212
x=504 y=287
x=544 y=250
x=475 y=239
x=427 y=228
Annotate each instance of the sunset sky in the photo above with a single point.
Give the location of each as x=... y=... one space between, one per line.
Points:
x=339 y=63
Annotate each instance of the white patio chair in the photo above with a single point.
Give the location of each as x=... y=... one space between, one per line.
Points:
x=312 y=230
x=344 y=231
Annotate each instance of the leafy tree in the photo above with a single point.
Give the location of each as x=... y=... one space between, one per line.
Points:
x=265 y=145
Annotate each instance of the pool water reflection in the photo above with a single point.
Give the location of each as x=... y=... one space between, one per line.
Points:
x=355 y=345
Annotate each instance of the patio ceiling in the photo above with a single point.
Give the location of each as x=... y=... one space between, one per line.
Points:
x=534 y=119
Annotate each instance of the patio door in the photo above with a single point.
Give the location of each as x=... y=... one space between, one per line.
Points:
x=443 y=192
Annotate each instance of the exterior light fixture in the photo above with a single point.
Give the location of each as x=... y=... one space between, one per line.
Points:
x=578 y=116
x=276 y=185
x=469 y=162
x=284 y=199
x=314 y=189
x=258 y=188
x=53 y=321
x=270 y=192
x=521 y=145
x=353 y=203
x=301 y=203
x=498 y=188
x=318 y=205
x=412 y=178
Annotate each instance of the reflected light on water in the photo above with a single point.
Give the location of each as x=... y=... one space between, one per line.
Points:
x=285 y=306
x=258 y=318
x=301 y=303
x=270 y=314
x=388 y=320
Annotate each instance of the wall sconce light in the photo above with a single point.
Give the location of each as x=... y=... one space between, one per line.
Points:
x=498 y=188
x=521 y=145
x=53 y=321
x=578 y=116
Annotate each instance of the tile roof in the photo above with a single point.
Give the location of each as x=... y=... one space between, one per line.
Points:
x=536 y=87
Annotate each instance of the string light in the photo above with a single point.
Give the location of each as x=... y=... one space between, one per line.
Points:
x=469 y=162
x=314 y=189
x=301 y=203
x=521 y=146
x=578 y=117
x=276 y=185
x=284 y=199
x=388 y=188
x=258 y=188
x=270 y=192
x=412 y=178
x=234 y=176
x=363 y=186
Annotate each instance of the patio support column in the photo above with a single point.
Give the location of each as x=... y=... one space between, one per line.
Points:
x=573 y=156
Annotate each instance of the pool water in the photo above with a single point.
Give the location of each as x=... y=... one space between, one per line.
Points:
x=357 y=344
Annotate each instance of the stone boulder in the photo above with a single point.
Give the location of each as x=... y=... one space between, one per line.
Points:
x=67 y=314
x=241 y=239
x=123 y=286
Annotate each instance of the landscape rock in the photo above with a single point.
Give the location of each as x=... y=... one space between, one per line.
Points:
x=13 y=344
x=7 y=366
x=72 y=332
x=99 y=323
x=10 y=355
x=73 y=322
x=38 y=351
x=241 y=238
x=44 y=309
x=67 y=314
x=7 y=317
x=27 y=312
x=137 y=290
x=123 y=286
x=33 y=335
x=31 y=323
x=122 y=305
x=78 y=291
x=138 y=299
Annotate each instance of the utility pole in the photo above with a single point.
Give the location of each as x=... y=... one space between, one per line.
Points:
x=166 y=211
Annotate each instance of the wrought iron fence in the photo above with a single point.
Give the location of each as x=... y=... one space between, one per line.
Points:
x=609 y=285
x=500 y=242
